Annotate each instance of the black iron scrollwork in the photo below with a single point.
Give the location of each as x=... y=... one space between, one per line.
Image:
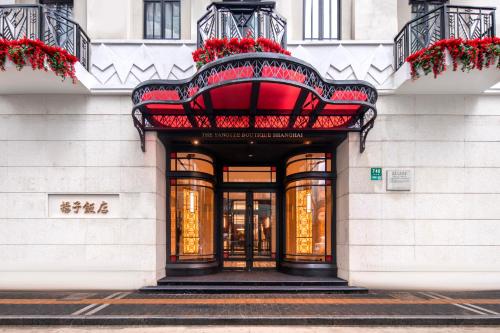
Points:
x=444 y=22
x=49 y=26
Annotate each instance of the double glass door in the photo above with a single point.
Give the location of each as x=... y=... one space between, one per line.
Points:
x=249 y=229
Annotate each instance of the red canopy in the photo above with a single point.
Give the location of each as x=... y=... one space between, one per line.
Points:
x=258 y=91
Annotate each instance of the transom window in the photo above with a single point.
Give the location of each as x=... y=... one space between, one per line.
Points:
x=310 y=162
x=321 y=19
x=194 y=162
x=162 y=19
x=248 y=174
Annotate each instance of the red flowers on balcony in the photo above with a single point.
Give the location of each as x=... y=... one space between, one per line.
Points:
x=39 y=55
x=217 y=48
x=468 y=54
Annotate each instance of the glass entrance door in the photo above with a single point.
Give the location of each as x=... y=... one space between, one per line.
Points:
x=249 y=229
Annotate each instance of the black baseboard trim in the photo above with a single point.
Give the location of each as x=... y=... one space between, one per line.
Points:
x=257 y=321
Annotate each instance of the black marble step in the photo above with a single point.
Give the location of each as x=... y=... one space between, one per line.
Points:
x=215 y=289
x=291 y=283
x=254 y=278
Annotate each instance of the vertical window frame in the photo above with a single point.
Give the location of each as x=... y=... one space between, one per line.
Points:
x=319 y=24
x=163 y=4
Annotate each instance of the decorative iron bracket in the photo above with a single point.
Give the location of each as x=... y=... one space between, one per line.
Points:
x=367 y=123
x=139 y=120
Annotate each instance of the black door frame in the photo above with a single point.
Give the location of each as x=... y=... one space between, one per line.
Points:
x=249 y=189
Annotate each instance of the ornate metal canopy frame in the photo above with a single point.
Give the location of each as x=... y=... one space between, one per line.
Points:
x=255 y=92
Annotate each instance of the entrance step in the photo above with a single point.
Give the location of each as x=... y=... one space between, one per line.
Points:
x=295 y=281
x=216 y=289
x=252 y=282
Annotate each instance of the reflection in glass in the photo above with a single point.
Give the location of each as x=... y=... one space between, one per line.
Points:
x=264 y=225
x=194 y=162
x=311 y=162
x=192 y=219
x=308 y=220
x=249 y=174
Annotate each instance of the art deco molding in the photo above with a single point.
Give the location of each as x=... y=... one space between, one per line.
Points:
x=123 y=65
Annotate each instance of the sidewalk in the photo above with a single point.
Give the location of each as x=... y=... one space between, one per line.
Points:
x=134 y=308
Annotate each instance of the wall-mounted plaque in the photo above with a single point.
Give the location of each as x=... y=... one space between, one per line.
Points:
x=376 y=173
x=399 y=180
x=84 y=205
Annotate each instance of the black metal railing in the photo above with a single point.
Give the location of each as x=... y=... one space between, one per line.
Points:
x=52 y=28
x=445 y=22
x=236 y=19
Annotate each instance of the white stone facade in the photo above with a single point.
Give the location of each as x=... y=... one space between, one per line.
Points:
x=442 y=234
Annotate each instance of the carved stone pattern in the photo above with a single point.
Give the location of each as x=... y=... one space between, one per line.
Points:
x=123 y=66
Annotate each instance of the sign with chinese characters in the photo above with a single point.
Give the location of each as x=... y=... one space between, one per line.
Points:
x=399 y=180
x=83 y=206
x=376 y=174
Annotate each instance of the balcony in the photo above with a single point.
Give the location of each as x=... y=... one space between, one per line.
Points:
x=238 y=19
x=53 y=29
x=445 y=22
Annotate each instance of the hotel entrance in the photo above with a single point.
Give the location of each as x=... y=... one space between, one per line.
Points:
x=251 y=205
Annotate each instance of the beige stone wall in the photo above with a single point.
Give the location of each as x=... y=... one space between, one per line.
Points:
x=75 y=144
x=445 y=232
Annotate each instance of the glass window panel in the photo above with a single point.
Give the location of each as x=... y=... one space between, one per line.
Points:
x=321 y=19
x=315 y=19
x=307 y=19
x=149 y=20
x=264 y=225
x=192 y=221
x=191 y=162
x=176 y=28
x=334 y=20
x=326 y=18
x=249 y=175
x=157 y=21
x=168 y=20
x=314 y=162
x=308 y=222
x=155 y=12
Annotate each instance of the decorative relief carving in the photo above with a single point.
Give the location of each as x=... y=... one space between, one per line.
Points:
x=124 y=65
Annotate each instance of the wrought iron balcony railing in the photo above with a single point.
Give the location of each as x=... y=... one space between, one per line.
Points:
x=239 y=19
x=445 y=22
x=52 y=28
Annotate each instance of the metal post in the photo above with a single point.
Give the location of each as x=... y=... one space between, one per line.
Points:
x=78 y=43
x=493 y=24
x=41 y=23
x=445 y=31
x=406 y=42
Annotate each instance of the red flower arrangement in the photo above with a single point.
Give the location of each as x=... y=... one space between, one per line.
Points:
x=38 y=55
x=469 y=54
x=217 y=48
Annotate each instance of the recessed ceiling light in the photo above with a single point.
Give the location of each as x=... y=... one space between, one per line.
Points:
x=307 y=142
x=196 y=142
x=252 y=142
x=250 y=155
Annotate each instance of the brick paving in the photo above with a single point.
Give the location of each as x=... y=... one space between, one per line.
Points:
x=121 y=307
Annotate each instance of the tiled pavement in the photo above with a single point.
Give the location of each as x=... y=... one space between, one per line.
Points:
x=134 y=308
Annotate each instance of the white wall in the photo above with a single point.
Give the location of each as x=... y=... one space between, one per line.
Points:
x=78 y=144
x=445 y=232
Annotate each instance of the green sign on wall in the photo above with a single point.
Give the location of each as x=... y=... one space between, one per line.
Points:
x=376 y=174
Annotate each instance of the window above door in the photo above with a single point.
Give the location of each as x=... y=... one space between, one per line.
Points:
x=162 y=19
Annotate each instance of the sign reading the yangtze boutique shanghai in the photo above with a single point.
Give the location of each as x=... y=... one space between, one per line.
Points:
x=376 y=174
x=83 y=206
x=399 y=180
